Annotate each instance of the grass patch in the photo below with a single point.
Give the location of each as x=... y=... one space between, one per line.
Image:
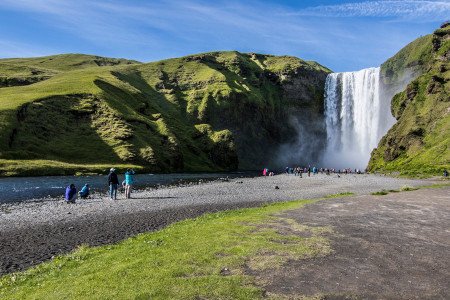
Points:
x=380 y=193
x=202 y=258
x=407 y=188
x=49 y=167
x=339 y=195
x=435 y=186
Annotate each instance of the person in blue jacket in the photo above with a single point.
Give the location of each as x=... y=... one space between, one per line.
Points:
x=84 y=193
x=71 y=193
x=129 y=181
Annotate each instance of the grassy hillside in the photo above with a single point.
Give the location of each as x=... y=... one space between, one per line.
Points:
x=215 y=111
x=24 y=71
x=419 y=143
x=413 y=58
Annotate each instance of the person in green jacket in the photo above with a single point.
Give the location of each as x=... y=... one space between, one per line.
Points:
x=84 y=193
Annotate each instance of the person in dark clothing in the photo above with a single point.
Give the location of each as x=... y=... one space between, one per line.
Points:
x=113 y=182
x=445 y=173
x=71 y=194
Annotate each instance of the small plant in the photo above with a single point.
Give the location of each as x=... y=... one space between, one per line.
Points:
x=338 y=195
x=408 y=188
x=380 y=193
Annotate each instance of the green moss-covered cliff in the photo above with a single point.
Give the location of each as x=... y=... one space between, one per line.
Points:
x=419 y=143
x=68 y=114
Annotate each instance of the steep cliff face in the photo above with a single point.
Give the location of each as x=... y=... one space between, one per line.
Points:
x=419 y=143
x=206 y=112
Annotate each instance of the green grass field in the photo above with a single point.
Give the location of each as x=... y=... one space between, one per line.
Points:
x=202 y=258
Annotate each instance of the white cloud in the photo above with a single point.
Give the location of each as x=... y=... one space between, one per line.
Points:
x=407 y=9
x=152 y=23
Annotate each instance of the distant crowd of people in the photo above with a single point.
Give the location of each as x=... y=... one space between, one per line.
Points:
x=298 y=171
x=71 y=194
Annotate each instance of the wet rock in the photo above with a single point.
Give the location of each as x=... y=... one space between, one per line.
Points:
x=225 y=272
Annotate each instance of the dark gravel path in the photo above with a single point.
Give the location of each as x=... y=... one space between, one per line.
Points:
x=23 y=248
x=385 y=247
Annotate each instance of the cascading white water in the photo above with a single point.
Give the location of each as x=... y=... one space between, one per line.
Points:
x=356 y=115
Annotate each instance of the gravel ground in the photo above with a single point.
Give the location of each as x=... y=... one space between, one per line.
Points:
x=395 y=246
x=32 y=232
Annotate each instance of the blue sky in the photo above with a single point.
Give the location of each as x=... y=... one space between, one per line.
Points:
x=342 y=35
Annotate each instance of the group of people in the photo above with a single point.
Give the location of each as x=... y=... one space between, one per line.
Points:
x=266 y=172
x=71 y=193
x=113 y=182
x=298 y=171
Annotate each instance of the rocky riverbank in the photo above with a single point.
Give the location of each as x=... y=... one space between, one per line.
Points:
x=32 y=232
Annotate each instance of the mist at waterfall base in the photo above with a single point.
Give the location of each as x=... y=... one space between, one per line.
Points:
x=357 y=116
x=305 y=147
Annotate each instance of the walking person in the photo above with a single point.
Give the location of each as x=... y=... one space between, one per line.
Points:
x=113 y=182
x=129 y=180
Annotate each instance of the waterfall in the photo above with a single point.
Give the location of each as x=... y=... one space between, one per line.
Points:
x=356 y=116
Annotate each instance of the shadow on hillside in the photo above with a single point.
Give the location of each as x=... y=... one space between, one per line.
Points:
x=59 y=128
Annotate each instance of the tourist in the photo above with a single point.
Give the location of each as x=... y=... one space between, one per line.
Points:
x=265 y=172
x=445 y=173
x=309 y=171
x=71 y=193
x=84 y=193
x=129 y=180
x=113 y=182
